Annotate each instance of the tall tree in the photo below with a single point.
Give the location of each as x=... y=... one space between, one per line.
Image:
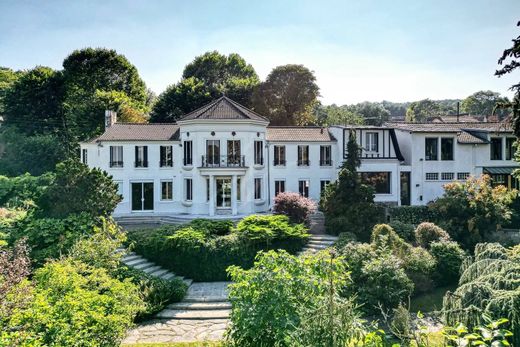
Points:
x=336 y=115
x=288 y=95
x=483 y=103
x=207 y=77
x=510 y=60
x=7 y=78
x=90 y=71
x=33 y=102
x=373 y=113
x=420 y=111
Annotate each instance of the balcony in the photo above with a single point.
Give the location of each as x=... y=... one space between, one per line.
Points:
x=224 y=161
x=141 y=163
x=116 y=164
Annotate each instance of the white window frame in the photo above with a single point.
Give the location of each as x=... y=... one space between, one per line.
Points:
x=276 y=182
x=303 y=155
x=260 y=194
x=84 y=156
x=188 y=153
x=434 y=176
x=447 y=176
x=188 y=188
x=462 y=176
x=279 y=159
x=307 y=185
x=258 y=152
x=116 y=156
x=165 y=161
x=372 y=142
x=171 y=190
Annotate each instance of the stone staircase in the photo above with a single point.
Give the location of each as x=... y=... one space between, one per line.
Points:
x=318 y=242
x=136 y=261
x=317 y=225
x=204 y=300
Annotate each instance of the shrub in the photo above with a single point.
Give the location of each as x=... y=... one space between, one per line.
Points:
x=79 y=189
x=294 y=206
x=472 y=210
x=426 y=233
x=448 y=257
x=383 y=236
x=77 y=305
x=419 y=266
x=23 y=190
x=344 y=239
x=404 y=230
x=205 y=257
x=156 y=292
x=50 y=237
x=281 y=292
x=212 y=227
x=412 y=214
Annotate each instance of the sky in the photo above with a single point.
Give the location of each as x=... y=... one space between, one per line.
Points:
x=364 y=50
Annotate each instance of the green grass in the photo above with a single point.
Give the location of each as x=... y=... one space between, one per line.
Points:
x=431 y=301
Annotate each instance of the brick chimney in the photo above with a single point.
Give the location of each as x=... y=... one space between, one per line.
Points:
x=110 y=118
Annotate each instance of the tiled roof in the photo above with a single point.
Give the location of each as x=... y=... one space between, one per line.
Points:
x=223 y=108
x=451 y=127
x=140 y=132
x=299 y=134
x=467 y=138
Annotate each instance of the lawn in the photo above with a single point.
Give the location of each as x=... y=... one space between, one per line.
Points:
x=431 y=301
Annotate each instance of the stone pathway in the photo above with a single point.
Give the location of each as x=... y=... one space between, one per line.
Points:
x=203 y=315
x=318 y=242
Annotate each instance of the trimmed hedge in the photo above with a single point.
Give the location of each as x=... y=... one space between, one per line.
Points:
x=412 y=214
x=191 y=250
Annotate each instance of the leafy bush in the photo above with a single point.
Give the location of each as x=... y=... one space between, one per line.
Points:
x=426 y=233
x=203 y=256
x=73 y=304
x=344 y=239
x=212 y=227
x=285 y=301
x=404 y=230
x=77 y=189
x=156 y=292
x=383 y=236
x=472 y=210
x=419 y=265
x=412 y=214
x=448 y=257
x=23 y=190
x=51 y=237
x=298 y=208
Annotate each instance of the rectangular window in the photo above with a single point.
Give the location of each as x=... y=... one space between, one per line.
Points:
x=142 y=196
x=233 y=153
x=207 y=189
x=325 y=156
x=141 y=156
x=166 y=154
x=188 y=189
x=447 y=176
x=303 y=155
x=259 y=153
x=279 y=155
x=323 y=185
x=116 y=156
x=496 y=148
x=432 y=176
x=188 y=153
x=239 y=192
x=446 y=148
x=213 y=152
x=258 y=188
x=431 y=148
x=279 y=187
x=166 y=190
x=303 y=187
x=84 y=156
x=462 y=176
x=379 y=180
x=498 y=180
x=510 y=148
x=372 y=142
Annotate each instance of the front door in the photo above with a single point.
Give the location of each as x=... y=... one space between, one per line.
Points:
x=405 y=188
x=223 y=193
x=142 y=196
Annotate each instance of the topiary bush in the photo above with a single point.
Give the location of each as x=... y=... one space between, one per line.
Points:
x=426 y=233
x=404 y=230
x=298 y=208
x=204 y=256
x=448 y=258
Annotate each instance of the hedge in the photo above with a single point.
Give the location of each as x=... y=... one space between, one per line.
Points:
x=203 y=256
x=412 y=214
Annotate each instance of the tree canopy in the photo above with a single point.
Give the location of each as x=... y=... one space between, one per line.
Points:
x=206 y=78
x=420 y=111
x=336 y=115
x=373 y=113
x=288 y=95
x=483 y=102
x=7 y=78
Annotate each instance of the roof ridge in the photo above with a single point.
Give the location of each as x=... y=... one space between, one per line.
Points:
x=135 y=123
x=238 y=106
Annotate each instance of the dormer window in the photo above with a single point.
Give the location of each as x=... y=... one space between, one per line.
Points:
x=372 y=142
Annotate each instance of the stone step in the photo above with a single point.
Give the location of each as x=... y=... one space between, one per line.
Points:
x=129 y=257
x=144 y=266
x=151 y=269
x=320 y=242
x=136 y=261
x=167 y=276
x=323 y=237
x=318 y=247
x=159 y=272
x=189 y=298
x=194 y=314
x=188 y=281
x=200 y=306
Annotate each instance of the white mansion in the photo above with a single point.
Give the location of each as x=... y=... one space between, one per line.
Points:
x=225 y=159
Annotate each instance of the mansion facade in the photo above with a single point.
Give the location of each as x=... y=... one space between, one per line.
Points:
x=224 y=159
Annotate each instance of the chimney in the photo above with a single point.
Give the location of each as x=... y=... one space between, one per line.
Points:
x=110 y=118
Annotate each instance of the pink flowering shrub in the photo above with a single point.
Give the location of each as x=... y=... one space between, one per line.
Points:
x=294 y=206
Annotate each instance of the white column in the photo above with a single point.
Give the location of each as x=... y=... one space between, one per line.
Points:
x=211 y=195
x=234 y=195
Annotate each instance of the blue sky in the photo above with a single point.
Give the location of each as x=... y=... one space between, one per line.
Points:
x=361 y=50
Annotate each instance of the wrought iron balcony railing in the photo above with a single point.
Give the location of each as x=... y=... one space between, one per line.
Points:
x=141 y=163
x=304 y=162
x=116 y=164
x=223 y=161
x=326 y=162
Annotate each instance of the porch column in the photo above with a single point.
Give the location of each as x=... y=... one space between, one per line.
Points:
x=234 y=195
x=211 y=195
